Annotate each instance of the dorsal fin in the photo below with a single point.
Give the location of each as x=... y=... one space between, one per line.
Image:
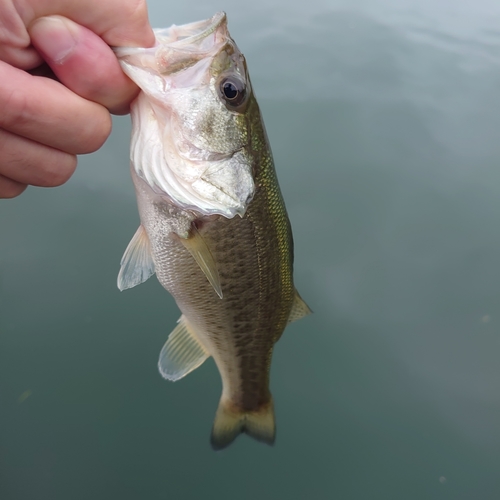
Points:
x=182 y=353
x=137 y=263
x=299 y=308
x=198 y=248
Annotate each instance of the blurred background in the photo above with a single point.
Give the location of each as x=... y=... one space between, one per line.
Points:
x=384 y=118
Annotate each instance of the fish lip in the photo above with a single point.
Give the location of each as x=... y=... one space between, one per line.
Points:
x=172 y=38
x=204 y=28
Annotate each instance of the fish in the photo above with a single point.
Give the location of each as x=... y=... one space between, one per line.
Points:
x=214 y=226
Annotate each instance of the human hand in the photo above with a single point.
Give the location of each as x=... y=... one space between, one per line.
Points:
x=44 y=122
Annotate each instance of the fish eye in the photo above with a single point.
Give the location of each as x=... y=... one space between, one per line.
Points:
x=233 y=91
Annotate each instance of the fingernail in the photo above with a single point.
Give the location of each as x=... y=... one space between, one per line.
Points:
x=55 y=37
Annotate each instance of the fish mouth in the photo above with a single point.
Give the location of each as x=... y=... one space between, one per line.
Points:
x=189 y=34
x=191 y=41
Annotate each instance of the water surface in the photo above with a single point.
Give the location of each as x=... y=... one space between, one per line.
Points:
x=384 y=117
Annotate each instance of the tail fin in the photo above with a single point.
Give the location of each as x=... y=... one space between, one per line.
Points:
x=230 y=423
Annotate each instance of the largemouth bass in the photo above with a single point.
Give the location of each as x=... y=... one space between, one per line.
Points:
x=214 y=226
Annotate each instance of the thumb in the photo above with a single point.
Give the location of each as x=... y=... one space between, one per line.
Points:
x=83 y=62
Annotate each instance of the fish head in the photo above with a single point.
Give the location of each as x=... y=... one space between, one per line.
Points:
x=190 y=139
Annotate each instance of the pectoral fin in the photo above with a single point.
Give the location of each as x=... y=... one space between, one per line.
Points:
x=197 y=247
x=137 y=263
x=299 y=308
x=182 y=353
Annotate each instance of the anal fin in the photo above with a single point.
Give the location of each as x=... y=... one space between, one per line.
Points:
x=182 y=353
x=299 y=308
x=198 y=248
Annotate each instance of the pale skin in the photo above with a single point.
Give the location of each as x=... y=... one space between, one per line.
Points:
x=46 y=122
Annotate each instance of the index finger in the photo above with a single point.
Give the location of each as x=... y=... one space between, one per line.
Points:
x=119 y=23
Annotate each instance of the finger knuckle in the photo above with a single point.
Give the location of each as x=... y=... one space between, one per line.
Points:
x=10 y=189
x=95 y=133
x=135 y=9
x=14 y=109
x=55 y=173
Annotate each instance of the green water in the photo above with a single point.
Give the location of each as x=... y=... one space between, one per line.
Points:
x=384 y=117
